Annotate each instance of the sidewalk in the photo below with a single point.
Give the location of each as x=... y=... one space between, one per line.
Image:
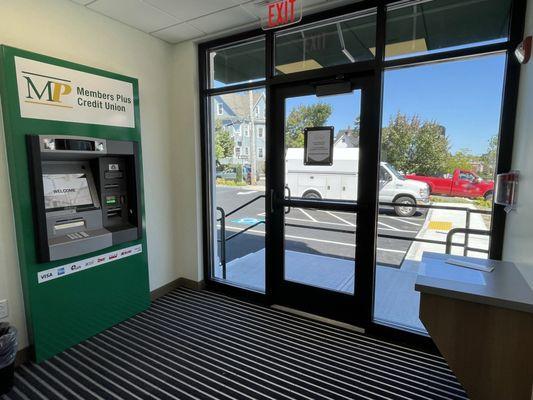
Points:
x=436 y=227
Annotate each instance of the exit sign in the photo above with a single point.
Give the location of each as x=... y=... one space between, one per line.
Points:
x=278 y=13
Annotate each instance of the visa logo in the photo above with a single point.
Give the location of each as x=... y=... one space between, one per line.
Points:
x=47 y=275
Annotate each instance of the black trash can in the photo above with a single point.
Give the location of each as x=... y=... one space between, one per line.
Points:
x=8 y=353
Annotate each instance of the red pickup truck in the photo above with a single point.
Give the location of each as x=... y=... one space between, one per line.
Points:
x=461 y=184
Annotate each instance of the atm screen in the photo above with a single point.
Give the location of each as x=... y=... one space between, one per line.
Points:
x=66 y=190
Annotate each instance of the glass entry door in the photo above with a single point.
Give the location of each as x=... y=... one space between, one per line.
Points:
x=317 y=262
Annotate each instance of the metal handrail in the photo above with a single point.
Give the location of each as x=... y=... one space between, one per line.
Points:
x=223 y=240
x=244 y=230
x=353 y=207
x=466 y=231
x=453 y=208
x=243 y=205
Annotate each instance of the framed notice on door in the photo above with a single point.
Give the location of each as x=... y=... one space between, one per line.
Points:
x=318 y=145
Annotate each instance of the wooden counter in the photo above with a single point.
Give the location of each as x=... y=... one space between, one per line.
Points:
x=482 y=323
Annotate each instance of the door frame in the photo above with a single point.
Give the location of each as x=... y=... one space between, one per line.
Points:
x=378 y=66
x=353 y=308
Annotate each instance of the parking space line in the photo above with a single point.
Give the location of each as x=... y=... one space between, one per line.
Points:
x=401 y=220
x=339 y=224
x=307 y=215
x=339 y=218
x=317 y=240
x=318 y=222
x=388 y=226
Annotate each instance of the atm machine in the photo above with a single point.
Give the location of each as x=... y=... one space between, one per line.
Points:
x=77 y=197
x=85 y=194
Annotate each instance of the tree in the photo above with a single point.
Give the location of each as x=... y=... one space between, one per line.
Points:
x=414 y=146
x=462 y=159
x=397 y=141
x=303 y=117
x=489 y=158
x=224 y=143
x=430 y=153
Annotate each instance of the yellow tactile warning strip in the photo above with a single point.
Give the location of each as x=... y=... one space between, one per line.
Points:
x=440 y=225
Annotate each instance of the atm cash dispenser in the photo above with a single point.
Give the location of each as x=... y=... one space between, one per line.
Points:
x=85 y=194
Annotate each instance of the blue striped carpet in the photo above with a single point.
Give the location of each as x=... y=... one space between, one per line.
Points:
x=200 y=345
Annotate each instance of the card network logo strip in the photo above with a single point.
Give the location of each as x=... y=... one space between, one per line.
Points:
x=64 y=270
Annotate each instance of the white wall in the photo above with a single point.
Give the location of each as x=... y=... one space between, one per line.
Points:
x=63 y=29
x=187 y=164
x=519 y=227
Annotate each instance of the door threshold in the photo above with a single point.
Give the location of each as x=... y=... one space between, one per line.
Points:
x=318 y=318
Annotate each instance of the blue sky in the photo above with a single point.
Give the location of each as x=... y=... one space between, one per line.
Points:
x=464 y=96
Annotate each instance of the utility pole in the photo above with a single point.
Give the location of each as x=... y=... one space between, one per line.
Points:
x=252 y=139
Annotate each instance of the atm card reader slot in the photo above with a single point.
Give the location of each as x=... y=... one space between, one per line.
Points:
x=111 y=186
x=114 y=212
x=69 y=224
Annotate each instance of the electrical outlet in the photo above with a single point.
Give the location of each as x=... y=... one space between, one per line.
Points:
x=3 y=309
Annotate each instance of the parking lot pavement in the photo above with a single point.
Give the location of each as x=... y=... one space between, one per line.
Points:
x=312 y=231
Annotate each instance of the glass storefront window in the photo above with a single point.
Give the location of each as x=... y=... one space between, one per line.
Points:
x=238 y=63
x=421 y=27
x=238 y=140
x=440 y=133
x=345 y=40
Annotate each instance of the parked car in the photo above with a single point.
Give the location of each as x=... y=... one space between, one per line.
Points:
x=231 y=172
x=461 y=184
x=339 y=181
x=225 y=172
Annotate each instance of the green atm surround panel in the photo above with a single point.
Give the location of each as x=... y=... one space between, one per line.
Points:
x=113 y=286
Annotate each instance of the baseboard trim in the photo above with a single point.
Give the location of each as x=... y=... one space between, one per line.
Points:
x=180 y=282
x=24 y=356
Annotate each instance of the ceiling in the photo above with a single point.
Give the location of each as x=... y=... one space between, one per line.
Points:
x=175 y=21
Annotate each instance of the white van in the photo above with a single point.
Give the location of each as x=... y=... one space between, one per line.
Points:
x=339 y=181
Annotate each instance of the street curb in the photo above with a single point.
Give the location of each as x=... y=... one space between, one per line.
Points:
x=414 y=249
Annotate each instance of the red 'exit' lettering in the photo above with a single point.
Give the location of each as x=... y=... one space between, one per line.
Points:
x=281 y=13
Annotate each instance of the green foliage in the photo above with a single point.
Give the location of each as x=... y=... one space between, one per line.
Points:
x=480 y=202
x=488 y=159
x=303 y=117
x=228 y=182
x=414 y=146
x=430 y=149
x=224 y=143
x=462 y=159
x=440 y=199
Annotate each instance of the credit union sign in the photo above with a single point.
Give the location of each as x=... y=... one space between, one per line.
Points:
x=56 y=93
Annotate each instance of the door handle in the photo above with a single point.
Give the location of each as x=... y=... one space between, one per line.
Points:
x=288 y=189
